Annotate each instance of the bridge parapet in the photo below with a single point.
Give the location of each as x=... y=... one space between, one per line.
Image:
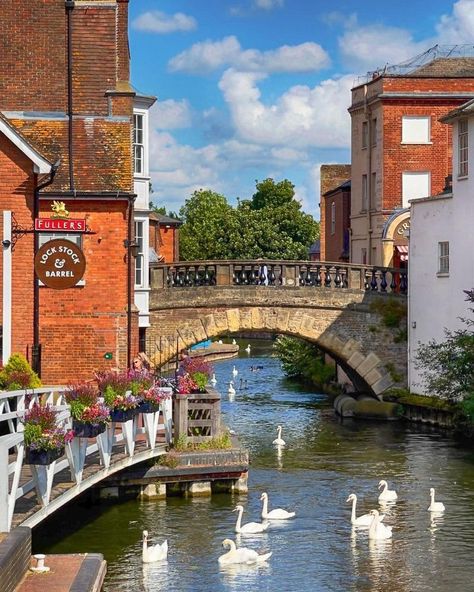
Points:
x=275 y=273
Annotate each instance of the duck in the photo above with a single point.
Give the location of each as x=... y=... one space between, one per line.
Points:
x=213 y=379
x=278 y=441
x=250 y=527
x=231 y=390
x=387 y=495
x=364 y=519
x=435 y=506
x=154 y=552
x=234 y=371
x=248 y=348
x=241 y=555
x=377 y=530
x=277 y=513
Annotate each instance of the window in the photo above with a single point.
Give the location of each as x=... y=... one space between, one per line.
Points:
x=138 y=147
x=415 y=185
x=363 y=256
x=374 y=132
x=416 y=130
x=45 y=237
x=333 y=218
x=139 y=271
x=443 y=257
x=365 y=134
x=463 y=147
x=365 y=192
x=373 y=185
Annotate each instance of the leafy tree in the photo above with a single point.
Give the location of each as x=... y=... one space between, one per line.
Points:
x=303 y=360
x=17 y=374
x=448 y=366
x=162 y=210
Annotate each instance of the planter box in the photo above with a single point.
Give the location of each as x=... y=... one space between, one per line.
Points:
x=84 y=429
x=148 y=407
x=119 y=415
x=42 y=457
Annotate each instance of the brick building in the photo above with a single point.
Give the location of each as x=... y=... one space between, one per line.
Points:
x=66 y=136
x=331 y=176
x=400 y=150
x=337 y=213
x=164 y=238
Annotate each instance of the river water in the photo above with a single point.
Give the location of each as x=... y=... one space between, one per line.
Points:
x=324 y=461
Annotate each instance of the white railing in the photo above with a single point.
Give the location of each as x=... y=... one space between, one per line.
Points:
x=117 y=439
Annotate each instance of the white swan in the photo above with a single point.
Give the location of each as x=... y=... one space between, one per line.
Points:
x=278 y=441
x=248 y=348
x=377 y=530
x=240 y=555
x=387 y=495
x=234 y=342
x=364 y=519
x=214 y=379
x=435 y=506
x=154 y=552
x=231 y=390
x=277 y=513
x=250 y=527
x=234 y=371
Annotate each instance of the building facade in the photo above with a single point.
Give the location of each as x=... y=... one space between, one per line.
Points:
x=164 y=238
x=66 y=172
x=330 y=177
x=400 y=149
x=442 y=249
x=337 y=206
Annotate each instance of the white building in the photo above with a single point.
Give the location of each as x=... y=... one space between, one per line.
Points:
x=141 y=171
x=442 y=248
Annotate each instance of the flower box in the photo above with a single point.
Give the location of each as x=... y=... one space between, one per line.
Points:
x=38 y=456
x=121 y=415
x=86 y=429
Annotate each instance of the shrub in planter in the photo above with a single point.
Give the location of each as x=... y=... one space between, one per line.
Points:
x=186 y=384
x=151 y=399
x=17 y=374
x=140 y=381
x=44 y=438
x=89 y=415
x=115 y=389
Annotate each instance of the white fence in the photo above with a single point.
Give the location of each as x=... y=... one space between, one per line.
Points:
x=118 y=439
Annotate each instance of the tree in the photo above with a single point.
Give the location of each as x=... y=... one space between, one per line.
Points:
x=303 y=360
x=448 y=366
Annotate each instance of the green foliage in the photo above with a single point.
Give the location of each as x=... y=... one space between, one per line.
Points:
x=396 y=376
x=303 y=360
x=170 y=460
x=392 y=311
x=448 y=366
x=200 y=378
x=17 y=374
x=271 y=225
x=221 y=442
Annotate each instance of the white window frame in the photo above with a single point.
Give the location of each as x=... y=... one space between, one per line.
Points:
x=405 y=199
x=74 y=237
x=139 y=144
x=411 y=139
x=140 y=258
x=443 y=258
x=365 y=193
x=463 y=148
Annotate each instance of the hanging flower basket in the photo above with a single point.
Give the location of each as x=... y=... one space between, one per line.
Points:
x=38 y=456
x=148 y=407
x=121 y=415
x=85 y=429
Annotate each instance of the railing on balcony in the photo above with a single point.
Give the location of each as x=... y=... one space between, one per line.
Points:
x=275 y=274
x=119 y=441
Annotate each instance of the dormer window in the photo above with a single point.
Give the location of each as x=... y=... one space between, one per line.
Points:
x=463 y=148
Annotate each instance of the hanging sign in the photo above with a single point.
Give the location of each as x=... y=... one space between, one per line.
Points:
x=60 y=264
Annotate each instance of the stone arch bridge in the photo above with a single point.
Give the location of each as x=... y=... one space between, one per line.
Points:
x=336 y=306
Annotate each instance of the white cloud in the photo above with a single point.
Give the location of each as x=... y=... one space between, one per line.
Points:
x=170 y=114
x=302 y=116
x=268 y=4
x=155 y=21
x=458 y=27
x=207 y=56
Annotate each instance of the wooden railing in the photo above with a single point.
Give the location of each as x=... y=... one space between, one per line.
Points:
x=16 y=483
x=197 y=416
x=275 y=274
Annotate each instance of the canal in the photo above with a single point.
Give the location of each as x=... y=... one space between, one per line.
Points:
x=324 y=461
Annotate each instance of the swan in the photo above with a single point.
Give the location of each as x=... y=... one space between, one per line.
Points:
x=278 y=441
x=364 y=519
x=277 y=514
x=250 y=527
x=214 y=379
x=234 y=342
x=377 y=530
x=435 y=506
x=231 y=390
x=234 y=371
x=387 y=495
x=240 y=555
x=248 y=348
x=155 y=552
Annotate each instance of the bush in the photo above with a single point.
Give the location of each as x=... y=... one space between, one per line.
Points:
x=392 y=311
x=303 y=360
x=17 y=374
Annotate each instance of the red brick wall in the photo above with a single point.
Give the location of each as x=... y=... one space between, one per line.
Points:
x=331 y=175
x=335 y=242
x=167 y=247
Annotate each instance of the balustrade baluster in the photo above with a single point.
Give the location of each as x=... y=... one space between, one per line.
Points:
x=317 y=278
x=255 y=276
x=213 y=276
x=279 y=279
x=373 y=282
x=271 y=276
x=366 y=279
x=301 y=277
x=235 y=278
x=345 y=277
x=262 y=278
x=308 y=279
x=197 y=276
x=338 y=278
x=243 y=277
x=327 y=276
x=180 y=278
x=170 y=278
x=393 y=283
x=187 y=277
x=403 y=282
x=383 y=283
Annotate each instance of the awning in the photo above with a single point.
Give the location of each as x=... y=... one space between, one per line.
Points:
x=403 y=251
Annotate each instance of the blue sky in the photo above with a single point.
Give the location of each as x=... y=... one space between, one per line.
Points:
x=250 y=89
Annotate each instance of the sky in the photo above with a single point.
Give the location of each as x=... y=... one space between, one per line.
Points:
x=250 y=89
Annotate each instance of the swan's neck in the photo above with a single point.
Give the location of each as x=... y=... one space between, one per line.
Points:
x=265 y=505
x=239 y=519
x=279 y=433
x=385 y=487
x=145 y=547
x=373 y=525
x=354 y=503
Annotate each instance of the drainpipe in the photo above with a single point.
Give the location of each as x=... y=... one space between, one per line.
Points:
x=69 y=4
x=370 y=197
x=130 y=280
x=36 y=343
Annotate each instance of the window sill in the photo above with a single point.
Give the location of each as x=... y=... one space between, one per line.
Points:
x=462 y=177
x=442 y=274
x=416 y=143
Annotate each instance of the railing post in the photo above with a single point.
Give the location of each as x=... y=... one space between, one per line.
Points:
x=355 y=279
x=290 y=275
x=157 y=277
x=4 y=505
x=223 y=275
x=180 y=417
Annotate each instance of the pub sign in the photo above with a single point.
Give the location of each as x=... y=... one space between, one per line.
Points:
x=60 y=264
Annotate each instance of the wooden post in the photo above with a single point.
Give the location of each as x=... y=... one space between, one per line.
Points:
x=180 y=417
